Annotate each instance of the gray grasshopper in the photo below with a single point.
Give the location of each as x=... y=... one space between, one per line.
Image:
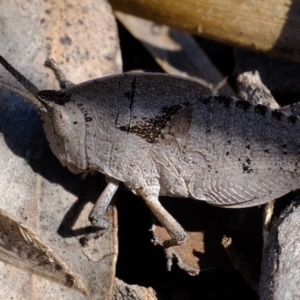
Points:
x=166 y=135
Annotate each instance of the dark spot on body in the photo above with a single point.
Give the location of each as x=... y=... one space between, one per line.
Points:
x=229 y=142
x=150 y=129
x=131 y=94
x=68 y=24
x=171 y=110
x=248 y=161
x=277 y=114
x=267 y=151
x=206 y=100
x=248 y=147
x=62 y=98
x=57 y=97
x=42 y=21
x=125 y=128
x=247 y=169
x=292 y=119
x=285 y=152
x=86 y=114
x=48 y=11
x=116 y=120
x=243 y=104
x=225 y=100
x=260 y=109
x=127 y=94
x=227 y=153
x=80 y=22
x=75 y=123
x=65 y=40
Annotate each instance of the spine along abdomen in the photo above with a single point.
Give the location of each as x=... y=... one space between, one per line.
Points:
x=236 y=154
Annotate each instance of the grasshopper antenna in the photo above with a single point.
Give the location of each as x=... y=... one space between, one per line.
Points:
x=32 y=89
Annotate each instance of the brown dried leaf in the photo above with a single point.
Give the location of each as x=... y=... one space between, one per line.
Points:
x=35 y=189
x=202 y=249
x=175 y=51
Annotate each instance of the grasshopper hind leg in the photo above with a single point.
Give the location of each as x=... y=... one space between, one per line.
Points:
x=177 y=233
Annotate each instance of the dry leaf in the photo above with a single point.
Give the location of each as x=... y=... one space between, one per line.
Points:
x=202 y=249
x=35 y=189
x=175 y=51
x=21 y=247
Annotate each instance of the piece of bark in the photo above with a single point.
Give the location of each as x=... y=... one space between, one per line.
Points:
x=281 y=77
x=123 y=291
x=247 y=259
x=176 y=52
x=278 y=76
x=270 y=27
x=280 y=270
x=35 y=189
x=251 y=88
x=280 y=276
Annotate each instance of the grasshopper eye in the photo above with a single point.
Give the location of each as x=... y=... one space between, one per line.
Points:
x=61 y=121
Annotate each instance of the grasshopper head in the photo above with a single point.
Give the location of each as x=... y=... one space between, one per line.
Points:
x=65 y=129
x=64 y=123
